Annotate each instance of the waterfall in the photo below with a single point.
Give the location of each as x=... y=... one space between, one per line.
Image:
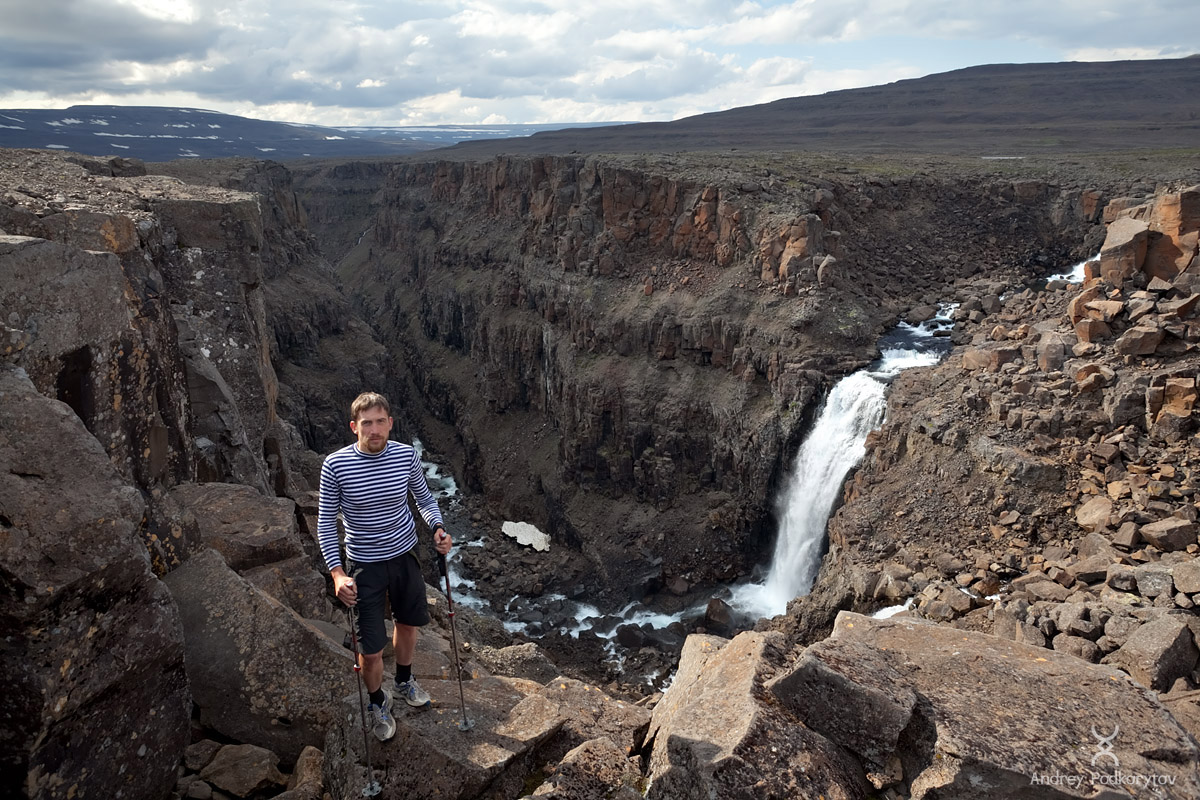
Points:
x=833 y=447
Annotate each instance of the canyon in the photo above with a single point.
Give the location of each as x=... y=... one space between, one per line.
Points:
x=627 y=352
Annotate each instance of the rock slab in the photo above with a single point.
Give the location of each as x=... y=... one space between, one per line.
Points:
x=430 y=756
x=713 y=736
x=979 y=727
x=260 y=674
x=95 y=700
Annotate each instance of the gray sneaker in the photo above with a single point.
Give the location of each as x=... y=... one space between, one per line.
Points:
x=413 y=694
x=382 y=724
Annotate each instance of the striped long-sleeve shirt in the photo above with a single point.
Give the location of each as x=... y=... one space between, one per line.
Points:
x=371 y=492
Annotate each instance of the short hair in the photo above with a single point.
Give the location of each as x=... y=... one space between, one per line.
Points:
x=368 y=400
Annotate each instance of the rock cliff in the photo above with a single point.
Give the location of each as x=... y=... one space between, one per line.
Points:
x=139 y=359
x=655 y=334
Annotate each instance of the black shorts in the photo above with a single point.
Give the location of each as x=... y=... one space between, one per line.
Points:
x=397 y=580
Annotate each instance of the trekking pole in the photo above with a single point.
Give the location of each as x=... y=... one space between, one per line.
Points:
x=372 y=788
x=466 y=724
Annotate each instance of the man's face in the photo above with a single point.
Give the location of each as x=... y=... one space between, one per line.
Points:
x=372 y=428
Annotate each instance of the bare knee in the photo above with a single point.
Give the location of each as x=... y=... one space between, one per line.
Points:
x=371 y=659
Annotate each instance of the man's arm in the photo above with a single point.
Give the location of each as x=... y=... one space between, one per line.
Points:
x=328 y=505
x=428 y=507
x=426 y=503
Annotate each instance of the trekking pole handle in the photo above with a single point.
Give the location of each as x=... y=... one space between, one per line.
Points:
x=442 y=565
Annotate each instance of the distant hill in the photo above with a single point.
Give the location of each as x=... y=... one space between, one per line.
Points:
x=154 y=133
x=1001 y=109
x=995 y=110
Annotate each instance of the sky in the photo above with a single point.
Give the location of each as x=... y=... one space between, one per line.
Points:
x=432 y=62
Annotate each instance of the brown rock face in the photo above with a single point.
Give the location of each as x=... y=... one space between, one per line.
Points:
x=95 y=697
x=1175 y=217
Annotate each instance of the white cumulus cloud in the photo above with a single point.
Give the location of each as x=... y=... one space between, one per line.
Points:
x=378 y=62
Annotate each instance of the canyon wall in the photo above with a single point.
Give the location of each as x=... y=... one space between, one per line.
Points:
x=143 y=324
x=626 y=352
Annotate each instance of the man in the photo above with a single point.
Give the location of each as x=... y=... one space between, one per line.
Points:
x=369 y=482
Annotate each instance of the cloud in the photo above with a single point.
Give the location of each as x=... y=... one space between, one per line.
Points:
x=436 y=61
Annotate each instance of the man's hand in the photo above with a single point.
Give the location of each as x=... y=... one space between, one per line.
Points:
x=442 y=541
x=344 y=587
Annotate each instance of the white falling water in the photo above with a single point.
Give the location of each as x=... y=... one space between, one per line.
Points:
x=835 y=445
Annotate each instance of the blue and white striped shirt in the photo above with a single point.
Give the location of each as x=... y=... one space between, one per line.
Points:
x=371 y=491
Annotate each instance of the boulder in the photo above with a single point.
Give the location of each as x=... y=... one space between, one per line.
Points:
x=259 y=673
x=1183 y=308
x=974 y=359
x=1093 y=515
x=198 y=754
x=1169 y=405
x=1121 y=577
x=588 y=713
x=1077 y=646
x=1052 y=352
x=246 y=528
x=1153 y=580
x=1127 y=536
x=712 y=735
x=1126 y=401
x=979 y=728
x=95 y=698
x=1077 y=308
x=243 y=769
x=1091 y=569
x=1093 y=377
x=431 y=757
x=296 y=584
x=1092 y=330
x=1157 y=653
x=596 y=768
x=1120 y=627
x=1124 y=249
x=1139 y=341
x=1074 y=619
x=1104 y=310
x=518 y=661
x=1047 y=590
x=1170 y=534
x=833 y=688
x=1187 y=576
x=307 y=781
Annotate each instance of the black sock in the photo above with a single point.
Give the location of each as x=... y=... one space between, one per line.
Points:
x=377 y=697
x=403 y=673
